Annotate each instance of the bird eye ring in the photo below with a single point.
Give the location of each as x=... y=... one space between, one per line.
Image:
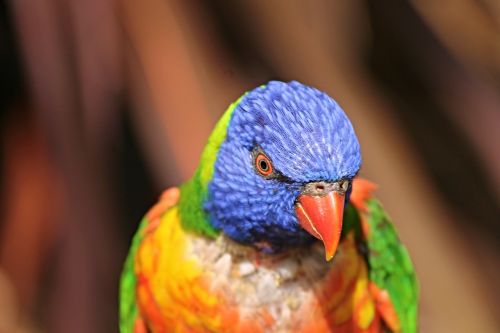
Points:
x=263 y=165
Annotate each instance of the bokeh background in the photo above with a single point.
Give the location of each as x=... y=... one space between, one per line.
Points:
x=104 y=103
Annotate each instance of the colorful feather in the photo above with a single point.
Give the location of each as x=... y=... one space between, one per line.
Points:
x=235 y=249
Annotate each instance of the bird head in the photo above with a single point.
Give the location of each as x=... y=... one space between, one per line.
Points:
x=278 y=169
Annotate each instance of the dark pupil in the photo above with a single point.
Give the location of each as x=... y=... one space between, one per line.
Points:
x=263 y=165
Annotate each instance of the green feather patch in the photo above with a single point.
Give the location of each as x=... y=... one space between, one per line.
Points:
x=391 y=267
x=194 y=192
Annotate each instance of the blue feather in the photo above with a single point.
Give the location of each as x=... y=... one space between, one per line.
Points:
x=306 y=135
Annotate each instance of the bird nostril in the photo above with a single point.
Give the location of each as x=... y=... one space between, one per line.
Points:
x=320 y=187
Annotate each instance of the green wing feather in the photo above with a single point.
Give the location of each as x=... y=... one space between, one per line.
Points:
x=391 y=267
x=128 y=305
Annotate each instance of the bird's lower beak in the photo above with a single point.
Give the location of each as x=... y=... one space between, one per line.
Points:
x=321 y=216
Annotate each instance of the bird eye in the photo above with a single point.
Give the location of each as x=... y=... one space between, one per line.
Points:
x=263 y=165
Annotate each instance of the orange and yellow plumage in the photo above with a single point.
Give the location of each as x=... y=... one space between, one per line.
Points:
x=176 y=293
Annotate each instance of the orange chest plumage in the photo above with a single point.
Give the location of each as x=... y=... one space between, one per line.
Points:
x=188 y=283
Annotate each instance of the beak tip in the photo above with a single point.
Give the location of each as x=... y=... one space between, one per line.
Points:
x=329 y=254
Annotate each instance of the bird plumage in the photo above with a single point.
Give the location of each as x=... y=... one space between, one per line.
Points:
x=229 y=251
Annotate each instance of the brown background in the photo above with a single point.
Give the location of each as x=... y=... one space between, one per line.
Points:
x=106 y=102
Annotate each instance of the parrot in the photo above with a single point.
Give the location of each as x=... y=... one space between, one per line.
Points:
x=275 y=232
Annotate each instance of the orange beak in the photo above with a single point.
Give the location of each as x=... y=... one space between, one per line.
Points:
x=321 y=216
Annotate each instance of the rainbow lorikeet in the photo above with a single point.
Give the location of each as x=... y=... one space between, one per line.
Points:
x=274 y=232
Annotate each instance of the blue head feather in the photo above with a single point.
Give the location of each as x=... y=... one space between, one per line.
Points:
x=306 y=135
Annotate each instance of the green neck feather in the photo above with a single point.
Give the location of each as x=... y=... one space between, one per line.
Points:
x=194 y=192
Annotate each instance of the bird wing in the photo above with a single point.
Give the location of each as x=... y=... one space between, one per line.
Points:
x=393 y=279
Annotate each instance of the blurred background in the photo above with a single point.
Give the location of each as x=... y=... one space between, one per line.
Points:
x=104 y=103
